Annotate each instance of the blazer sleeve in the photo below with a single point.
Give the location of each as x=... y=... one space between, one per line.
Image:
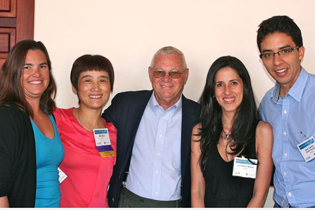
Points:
x=8 y=141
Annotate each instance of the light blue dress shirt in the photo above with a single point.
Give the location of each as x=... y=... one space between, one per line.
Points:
x=155 y=167
x=293 y=120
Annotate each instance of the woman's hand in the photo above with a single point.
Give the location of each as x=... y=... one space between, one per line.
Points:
x=4 y=202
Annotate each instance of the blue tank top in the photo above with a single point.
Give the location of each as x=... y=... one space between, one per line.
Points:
x=49 y=154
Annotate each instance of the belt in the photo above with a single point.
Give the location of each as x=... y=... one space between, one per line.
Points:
x=149 y=202
x=289 y=206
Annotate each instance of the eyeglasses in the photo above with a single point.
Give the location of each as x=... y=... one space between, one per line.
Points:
x=172 y=74
x=281 y=53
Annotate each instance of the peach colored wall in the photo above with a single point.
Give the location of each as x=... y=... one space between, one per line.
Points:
x=129 y=33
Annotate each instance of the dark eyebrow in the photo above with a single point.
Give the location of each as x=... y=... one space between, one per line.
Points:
x=30 y=64
x=281 y=48
x=103 y=76
x=286 y=46
x=86 y=76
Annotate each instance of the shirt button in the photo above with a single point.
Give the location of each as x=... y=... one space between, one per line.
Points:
x=158 y=154
x=163 y=118
x=285 y=133
x=285 y=112
x=284 y=173
x=157 y=172
x=289 y=194
x=156 y=192
x=160 y=136
x=285 y=154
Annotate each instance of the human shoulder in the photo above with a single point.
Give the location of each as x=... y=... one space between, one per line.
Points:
x=311 y=81
x=263 y=128
x=191 y=106
x=189 y=101
x=11 y=112
x=268 y=95
x=60 y=115
x=63 y=111
x=308 y=99
x=13 y=123
x=264 y=135
x=132 y=95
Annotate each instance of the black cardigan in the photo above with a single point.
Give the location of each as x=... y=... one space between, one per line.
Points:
x=17 y=157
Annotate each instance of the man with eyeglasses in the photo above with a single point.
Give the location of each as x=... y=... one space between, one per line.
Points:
x=289 y=107
x=153 y=142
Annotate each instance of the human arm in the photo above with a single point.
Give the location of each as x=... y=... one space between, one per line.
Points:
x=197 y=179
x=4 y=202
x=264 y=143
x=7 y=146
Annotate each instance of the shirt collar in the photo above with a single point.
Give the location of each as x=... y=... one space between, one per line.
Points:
x=155 y=106
x=295 y=91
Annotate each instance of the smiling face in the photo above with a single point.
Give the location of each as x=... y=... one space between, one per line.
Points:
x=93 y=89
x=284 y=69
x=168 y=90
x=35 y=77
x=229 y=89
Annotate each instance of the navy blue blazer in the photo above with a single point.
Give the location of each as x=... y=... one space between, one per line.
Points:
x=125 y=112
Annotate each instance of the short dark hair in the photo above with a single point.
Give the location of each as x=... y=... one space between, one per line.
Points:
x=90 y=63
x=283 y=24
x=245 y=121
x=11 y=90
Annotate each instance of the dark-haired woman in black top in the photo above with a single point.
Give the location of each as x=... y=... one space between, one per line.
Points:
x=229 y=131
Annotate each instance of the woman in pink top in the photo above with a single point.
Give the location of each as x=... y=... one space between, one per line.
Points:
x=87 y=167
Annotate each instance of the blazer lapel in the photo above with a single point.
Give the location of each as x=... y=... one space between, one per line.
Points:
x=135 y=115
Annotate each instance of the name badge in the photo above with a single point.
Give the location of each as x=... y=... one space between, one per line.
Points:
x=307 y=149
x=62 y=175
x=244 y=168
x=103 y=143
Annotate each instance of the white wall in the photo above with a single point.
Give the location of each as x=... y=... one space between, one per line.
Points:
x=129 y=32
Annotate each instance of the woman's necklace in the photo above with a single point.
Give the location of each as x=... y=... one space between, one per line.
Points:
x=79 y=119
x=226 y=135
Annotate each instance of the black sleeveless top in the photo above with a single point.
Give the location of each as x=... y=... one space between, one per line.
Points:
x=223 y=189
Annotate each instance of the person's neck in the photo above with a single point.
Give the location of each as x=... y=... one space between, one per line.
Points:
x=227 y=122
x=164 y=103
x=284 y=90
x=35 y=106
x=89 y=118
